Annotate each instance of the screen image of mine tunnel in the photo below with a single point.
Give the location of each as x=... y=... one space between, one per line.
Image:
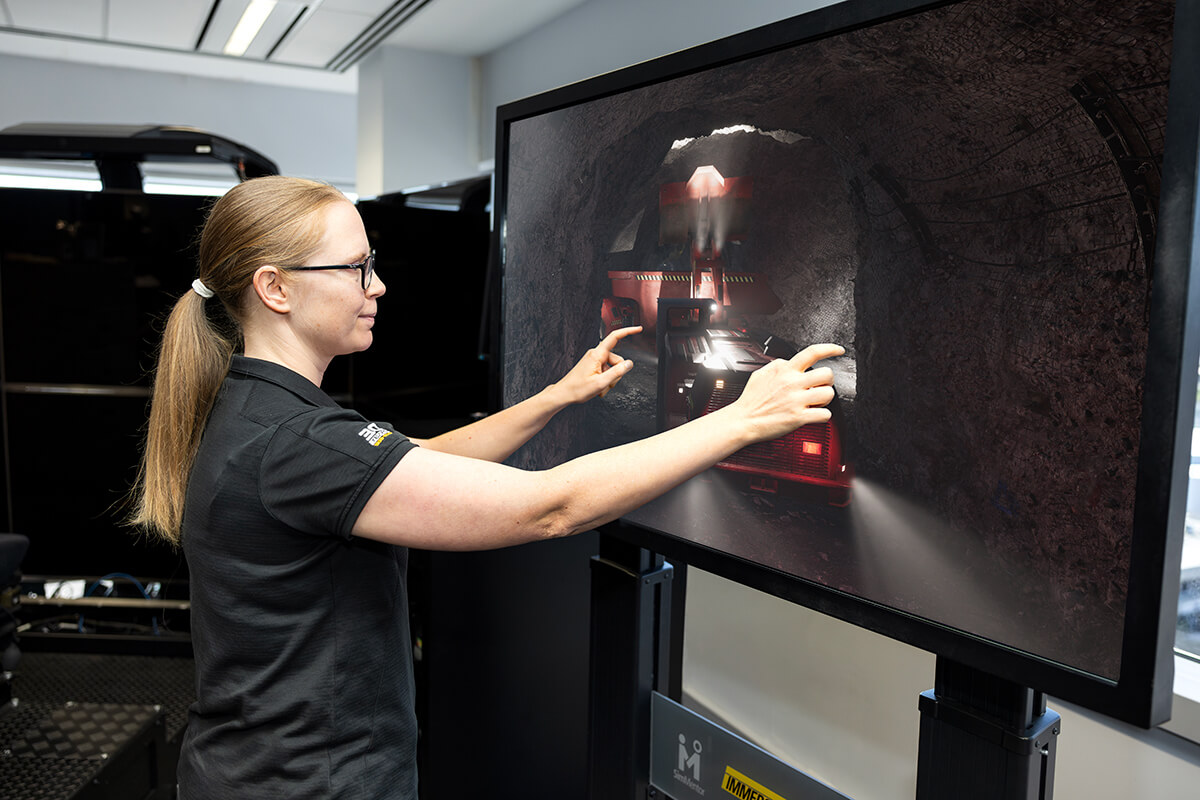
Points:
x=973 y=220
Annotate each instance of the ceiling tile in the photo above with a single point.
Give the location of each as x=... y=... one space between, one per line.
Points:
x=475 y=27
x=322 y=37
x=69 y=17
x=371 y=8
x=174 y=25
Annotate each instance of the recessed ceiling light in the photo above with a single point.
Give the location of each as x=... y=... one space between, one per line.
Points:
x=248 y=26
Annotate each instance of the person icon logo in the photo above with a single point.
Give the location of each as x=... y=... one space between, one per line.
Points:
x=689 y=760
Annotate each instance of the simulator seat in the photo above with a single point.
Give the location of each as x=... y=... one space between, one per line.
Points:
x=12 y=550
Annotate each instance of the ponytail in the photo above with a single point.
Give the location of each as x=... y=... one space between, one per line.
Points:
x=193 y=360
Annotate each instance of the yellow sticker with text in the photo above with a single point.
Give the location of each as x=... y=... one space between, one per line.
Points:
x=744 y=788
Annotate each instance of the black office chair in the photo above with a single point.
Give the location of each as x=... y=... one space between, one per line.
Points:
x=12 y=550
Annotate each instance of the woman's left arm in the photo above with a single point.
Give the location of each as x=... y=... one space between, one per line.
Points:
x=496 y=437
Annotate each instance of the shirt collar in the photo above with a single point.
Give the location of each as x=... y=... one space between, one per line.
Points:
x=283 y=377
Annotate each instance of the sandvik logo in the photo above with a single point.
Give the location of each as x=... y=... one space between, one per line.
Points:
x=374 y=434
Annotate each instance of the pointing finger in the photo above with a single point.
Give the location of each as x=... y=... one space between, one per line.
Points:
x=610 y=342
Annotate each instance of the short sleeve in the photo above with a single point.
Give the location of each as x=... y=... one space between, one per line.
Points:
x=321 y=467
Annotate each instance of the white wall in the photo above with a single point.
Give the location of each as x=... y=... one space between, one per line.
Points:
x=417 y=120
x=840 y=703
x=825 y=696
x=836 y=701
x=604 y=35
x=307 y=132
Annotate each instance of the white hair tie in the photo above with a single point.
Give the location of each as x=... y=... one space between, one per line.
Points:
x=199 y=288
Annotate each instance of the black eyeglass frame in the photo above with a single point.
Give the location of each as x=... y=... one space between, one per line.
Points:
x=366 y=267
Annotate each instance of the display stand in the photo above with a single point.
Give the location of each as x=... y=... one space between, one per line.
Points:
x=631 y=657
x=984 y=737
x=981 y=736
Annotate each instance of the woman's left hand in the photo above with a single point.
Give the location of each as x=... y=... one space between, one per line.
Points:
x=598 y=371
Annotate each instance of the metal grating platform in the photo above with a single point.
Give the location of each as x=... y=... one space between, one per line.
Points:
x=87 y=678
x=28 y=779
x=57 y=753
x=81 y=723
x=91 y=731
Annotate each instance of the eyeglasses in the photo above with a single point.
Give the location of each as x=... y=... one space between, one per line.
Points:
x=367 y=266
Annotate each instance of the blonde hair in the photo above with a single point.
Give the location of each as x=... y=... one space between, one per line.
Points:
x=270 y=220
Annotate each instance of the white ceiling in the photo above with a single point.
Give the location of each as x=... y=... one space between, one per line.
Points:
x=328 y=35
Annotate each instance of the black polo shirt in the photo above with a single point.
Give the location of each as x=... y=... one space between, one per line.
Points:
x=303 y=659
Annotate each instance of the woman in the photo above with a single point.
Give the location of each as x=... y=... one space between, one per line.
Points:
x=295 y=514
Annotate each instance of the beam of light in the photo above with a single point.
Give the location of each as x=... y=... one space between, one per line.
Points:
x=709 y=216
x=912 y=560
x=253 y=18
x=904 y=556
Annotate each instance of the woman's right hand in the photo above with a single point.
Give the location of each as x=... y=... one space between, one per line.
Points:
x=788 y=393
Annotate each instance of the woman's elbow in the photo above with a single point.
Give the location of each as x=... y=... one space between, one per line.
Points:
x=557 y=523
x=564 y=509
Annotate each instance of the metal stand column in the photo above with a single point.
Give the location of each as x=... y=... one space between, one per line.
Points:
x=630 y=657
x=984 y=738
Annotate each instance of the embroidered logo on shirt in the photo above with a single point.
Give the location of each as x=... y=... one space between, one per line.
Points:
x=374 y=434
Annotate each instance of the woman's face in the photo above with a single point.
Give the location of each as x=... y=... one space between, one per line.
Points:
x=332 y=314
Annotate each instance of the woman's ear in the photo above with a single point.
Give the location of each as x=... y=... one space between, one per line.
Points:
x=271 y=290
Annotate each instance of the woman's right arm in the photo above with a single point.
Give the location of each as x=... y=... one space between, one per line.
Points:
x=440 y=501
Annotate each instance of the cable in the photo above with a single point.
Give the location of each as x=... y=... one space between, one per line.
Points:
x=111 y=576
x=122 y=575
